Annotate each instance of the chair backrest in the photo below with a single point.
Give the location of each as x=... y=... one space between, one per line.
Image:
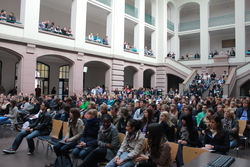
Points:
x=190 y=153
x=174 y=150
x=65 y=128
x=121 y=137
x=145 y=146
x=56 y=128
x=242 y=126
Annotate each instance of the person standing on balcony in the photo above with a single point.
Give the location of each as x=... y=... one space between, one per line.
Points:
x=3 y=14
x=197 y=55
x=11 y=18
x=91 y=37
x=232 y=52
x=105 y=41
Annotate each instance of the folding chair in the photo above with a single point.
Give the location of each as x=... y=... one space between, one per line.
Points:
x=190 y=153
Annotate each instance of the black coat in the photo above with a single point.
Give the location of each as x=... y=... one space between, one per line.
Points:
x=221 y=142
x=43 y=123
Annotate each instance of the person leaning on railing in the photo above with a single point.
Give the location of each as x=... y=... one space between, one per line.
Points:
x=3 y=14
x=11 y=18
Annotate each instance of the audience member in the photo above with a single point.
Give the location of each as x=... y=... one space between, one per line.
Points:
x=132 y=146
x=160 y=150
x=3 y=14
x=91 y=37
x=232 y=52
x=197 y=55
x=105 y=41
x=167 y=125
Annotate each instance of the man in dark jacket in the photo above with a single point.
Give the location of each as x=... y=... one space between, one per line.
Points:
x=42 y=126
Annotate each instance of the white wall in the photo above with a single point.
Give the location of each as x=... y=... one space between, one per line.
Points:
x=58 y=17
x=189 y=46
x=12 y=6
x=190 y=15
x=221 y=9
x=94 y=27
x=129 y=37
x=216 y=43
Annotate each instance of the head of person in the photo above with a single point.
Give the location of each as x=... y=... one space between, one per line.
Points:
x=104 y=108
x=210 y=112
x=130 y=106
x=229 y=114
x=245 y=104
x=187 y=109
x=148 y=115
x=13 y=103
x=204 y=108
x=113 y=110
x=124 y=112
x=165 y=117
x=152 y=106
x=133 y=126
x=3 y=12
x=215 y=123
x=173 y=107
x=220 y=108
x=44 y=106
x=91 y=105
x=92 y=113
x=143 y=103
x=106 y=122
x=188 y=121
x=165 y=107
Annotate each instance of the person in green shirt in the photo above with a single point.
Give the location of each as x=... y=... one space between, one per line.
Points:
x=84 y=104
x=201 y=114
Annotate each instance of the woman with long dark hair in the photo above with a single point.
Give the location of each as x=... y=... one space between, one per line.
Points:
x=131 y=148
x=75 y=128
x=147 y=119
x=159 y=149
x=187 y=135
x=216 y=138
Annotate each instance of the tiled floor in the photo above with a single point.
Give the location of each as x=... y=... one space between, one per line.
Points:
x=21 y=159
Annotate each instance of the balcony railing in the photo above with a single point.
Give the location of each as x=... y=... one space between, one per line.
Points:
x=105 y=2
x=131 y=10
x=170 y=25
x=150 y=19
x=222 y=20
x=192 y=25
x=248 y=16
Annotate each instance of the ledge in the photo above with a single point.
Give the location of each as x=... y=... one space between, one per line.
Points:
x=97 y=43
x=55 y=34
x=129 y=51
x=150 y=56
x=12 y=24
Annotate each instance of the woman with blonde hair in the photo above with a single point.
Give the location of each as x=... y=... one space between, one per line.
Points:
x=167 y=125
x=233 y=106
x=230 y=124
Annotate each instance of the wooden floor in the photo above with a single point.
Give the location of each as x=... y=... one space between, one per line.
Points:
x=21 y=159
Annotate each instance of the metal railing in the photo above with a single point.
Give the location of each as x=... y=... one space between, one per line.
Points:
x=191 y=25
x=105 y=2
x=170 y=25
x=248 y=16
x=150 y=19
x=222 y=20
x=131 y=10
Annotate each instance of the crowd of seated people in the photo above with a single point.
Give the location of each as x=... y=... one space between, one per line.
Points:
x=190 y=56
x=127 y=46
x=139 y=113
x=148 y=51
x=8 y=18
x=216 y=53
x=47 y=26
x=97 y=39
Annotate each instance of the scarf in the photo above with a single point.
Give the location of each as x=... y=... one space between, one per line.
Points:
x=214 y=132
x=91 y=122
x=104 y=132
x=130 y=136
x=228 y=124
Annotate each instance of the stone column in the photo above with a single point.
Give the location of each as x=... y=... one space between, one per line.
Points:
x=240 y=31
x=117 y=75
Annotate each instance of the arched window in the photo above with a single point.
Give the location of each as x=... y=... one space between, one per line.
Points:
x=63 y=81
x=42 y=77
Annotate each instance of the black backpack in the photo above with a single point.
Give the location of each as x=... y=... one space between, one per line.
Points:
x=62 y=161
